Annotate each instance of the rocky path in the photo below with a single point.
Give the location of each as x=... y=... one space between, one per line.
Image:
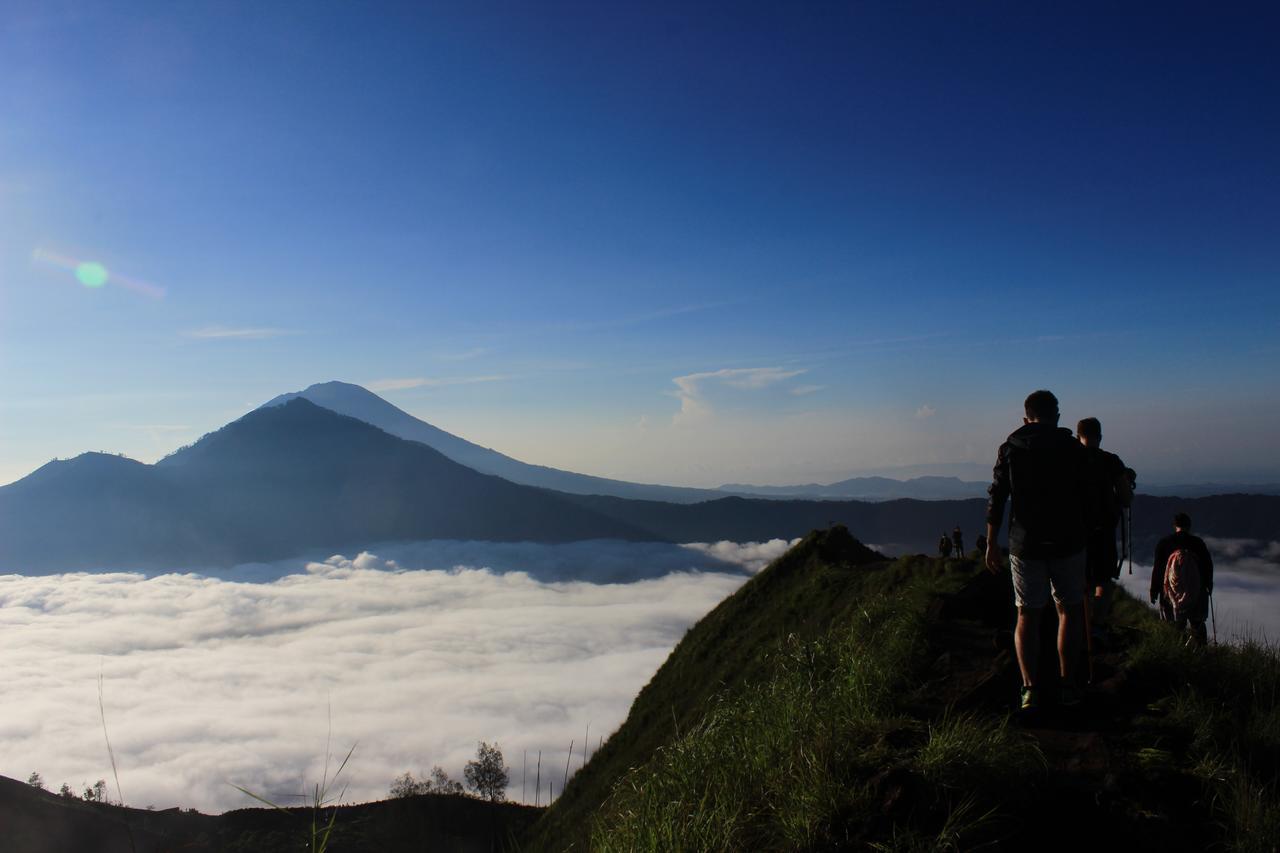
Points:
x=1112 y=772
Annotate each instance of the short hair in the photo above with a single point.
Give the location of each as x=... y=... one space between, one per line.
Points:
x=1090 y=428
x=1041 y=405
x=1182 y=520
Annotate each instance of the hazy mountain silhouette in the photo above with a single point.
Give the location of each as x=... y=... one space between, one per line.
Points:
x=871 y=489
x=362 y=404
x=276 y=483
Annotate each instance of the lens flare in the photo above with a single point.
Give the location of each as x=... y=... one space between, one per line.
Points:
x=94 y=274
x=91 y=274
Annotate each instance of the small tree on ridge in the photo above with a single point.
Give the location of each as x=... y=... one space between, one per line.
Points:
x=487 y=775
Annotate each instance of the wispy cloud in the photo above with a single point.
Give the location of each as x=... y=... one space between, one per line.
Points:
x=802 y=390
x=431 y=382
x=689 y=388
x=243 y=333
x=926 y=411
x=464 y=355
x=634 y=319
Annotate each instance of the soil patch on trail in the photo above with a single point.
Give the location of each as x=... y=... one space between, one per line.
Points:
x=1113 y=775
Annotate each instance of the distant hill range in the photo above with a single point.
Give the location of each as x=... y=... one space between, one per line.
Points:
x=870 y=489
x=295 y=477
x=954 y=488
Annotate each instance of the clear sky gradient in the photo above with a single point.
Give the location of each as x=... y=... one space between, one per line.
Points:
x=763 y=243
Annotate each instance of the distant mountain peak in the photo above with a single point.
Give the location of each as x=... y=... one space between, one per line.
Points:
x=362 y=404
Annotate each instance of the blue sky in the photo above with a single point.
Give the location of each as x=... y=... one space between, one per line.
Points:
x=692 y=244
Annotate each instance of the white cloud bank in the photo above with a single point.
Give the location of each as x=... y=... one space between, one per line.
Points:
x=209 y=681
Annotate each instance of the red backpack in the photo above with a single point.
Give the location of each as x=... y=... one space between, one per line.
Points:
x=1181 y=580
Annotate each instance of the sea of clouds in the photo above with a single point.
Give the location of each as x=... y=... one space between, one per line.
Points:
x=414 y=652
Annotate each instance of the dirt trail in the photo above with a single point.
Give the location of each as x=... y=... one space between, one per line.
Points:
x=1101 y=786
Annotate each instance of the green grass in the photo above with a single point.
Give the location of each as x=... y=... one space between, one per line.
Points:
x=820 y=583
x=971 y=753
x=775 y=765
x=1220 y=702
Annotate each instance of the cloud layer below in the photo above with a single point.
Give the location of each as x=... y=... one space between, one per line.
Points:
x=211 y=681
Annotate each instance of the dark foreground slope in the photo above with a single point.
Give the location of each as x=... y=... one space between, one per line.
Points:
x=837 y=706
x=37 y=821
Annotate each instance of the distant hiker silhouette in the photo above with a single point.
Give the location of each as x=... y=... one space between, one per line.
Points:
x=1110 y=492
x=1182 y=580
x=944 y=546
x=981 y=544
x=1040 y=469
x=958 y=538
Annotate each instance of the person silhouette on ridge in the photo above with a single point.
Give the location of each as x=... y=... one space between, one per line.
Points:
x=1040 y=469
x=1110 y=491
x=1182 y=580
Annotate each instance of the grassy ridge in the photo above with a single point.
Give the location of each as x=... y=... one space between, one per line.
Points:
x=815 y=709
x=1215 y=718
x=819 y=753
x=817 y=584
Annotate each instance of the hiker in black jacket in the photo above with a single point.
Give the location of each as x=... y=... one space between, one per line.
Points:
x=1041 y=469
x=1196 y=580
x=1109 y=493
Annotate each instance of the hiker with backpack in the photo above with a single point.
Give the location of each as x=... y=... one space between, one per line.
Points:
x=1110 y=492
x=958 y=538
x=1182 y=580
x=944 y=546
x=1040 y=469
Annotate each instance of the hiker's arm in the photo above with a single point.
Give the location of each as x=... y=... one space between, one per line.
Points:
x=997 y=495
x=1124 y=486
x=992 y=557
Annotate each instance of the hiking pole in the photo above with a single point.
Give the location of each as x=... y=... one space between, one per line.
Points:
x=1213 y=619
x=1088 y=635
x=1128 y=533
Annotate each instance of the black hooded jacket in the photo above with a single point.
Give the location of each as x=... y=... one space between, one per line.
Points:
x=1042 y=470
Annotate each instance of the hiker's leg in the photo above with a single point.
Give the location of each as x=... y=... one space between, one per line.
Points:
x=1199 y=633
x=1199 y=614
x=1070 y=631
x=1026 y=641
x=1067 y=577
x=1030 y=594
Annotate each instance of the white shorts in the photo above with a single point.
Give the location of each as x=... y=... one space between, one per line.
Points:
x=1032 y=580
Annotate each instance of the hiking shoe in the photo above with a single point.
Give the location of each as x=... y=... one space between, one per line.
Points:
x=1030 y=699
x=1071 y=696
